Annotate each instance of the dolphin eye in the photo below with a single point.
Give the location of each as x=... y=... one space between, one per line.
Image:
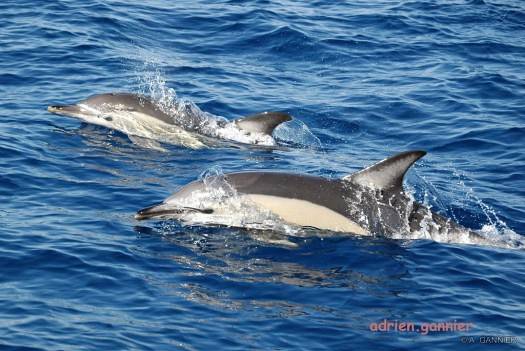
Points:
x=108 y=118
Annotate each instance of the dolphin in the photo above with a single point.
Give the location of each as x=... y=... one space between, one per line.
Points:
x=369 y=202
x=146 y=122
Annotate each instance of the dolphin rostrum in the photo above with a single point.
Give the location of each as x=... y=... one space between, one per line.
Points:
x=369 y=202
x=146 y=121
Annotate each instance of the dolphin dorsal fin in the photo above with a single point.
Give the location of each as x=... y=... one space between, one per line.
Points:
x=264 y=122
x=386 y=174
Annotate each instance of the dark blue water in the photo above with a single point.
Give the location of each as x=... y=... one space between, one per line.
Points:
x=77 y=272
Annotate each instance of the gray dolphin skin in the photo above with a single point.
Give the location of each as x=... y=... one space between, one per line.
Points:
x=369 y=202
x=140 y=117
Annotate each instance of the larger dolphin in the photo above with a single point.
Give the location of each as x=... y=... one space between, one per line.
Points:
x=146 y=121
x=369 y=202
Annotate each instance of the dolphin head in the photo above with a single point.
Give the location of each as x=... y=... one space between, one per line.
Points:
x=83 y=112
x=193 y=198
x=99 y=109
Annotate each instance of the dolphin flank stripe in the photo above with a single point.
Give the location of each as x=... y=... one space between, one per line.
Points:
x=307 y=214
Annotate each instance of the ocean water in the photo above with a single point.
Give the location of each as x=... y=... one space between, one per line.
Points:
x=364 y=80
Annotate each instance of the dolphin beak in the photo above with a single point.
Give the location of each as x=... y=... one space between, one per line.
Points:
x=150 y=211
x=67 y=110
x=162 y=209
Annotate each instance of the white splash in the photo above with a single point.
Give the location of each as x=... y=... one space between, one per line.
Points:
x=494 y=231
x=505 y=237
x=297 y=133
x=151 y=82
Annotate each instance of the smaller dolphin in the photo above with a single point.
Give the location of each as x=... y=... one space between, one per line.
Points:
x=146 y=122
x=369 y=202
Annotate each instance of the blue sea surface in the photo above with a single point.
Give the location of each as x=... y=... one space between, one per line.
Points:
x=368 y=78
